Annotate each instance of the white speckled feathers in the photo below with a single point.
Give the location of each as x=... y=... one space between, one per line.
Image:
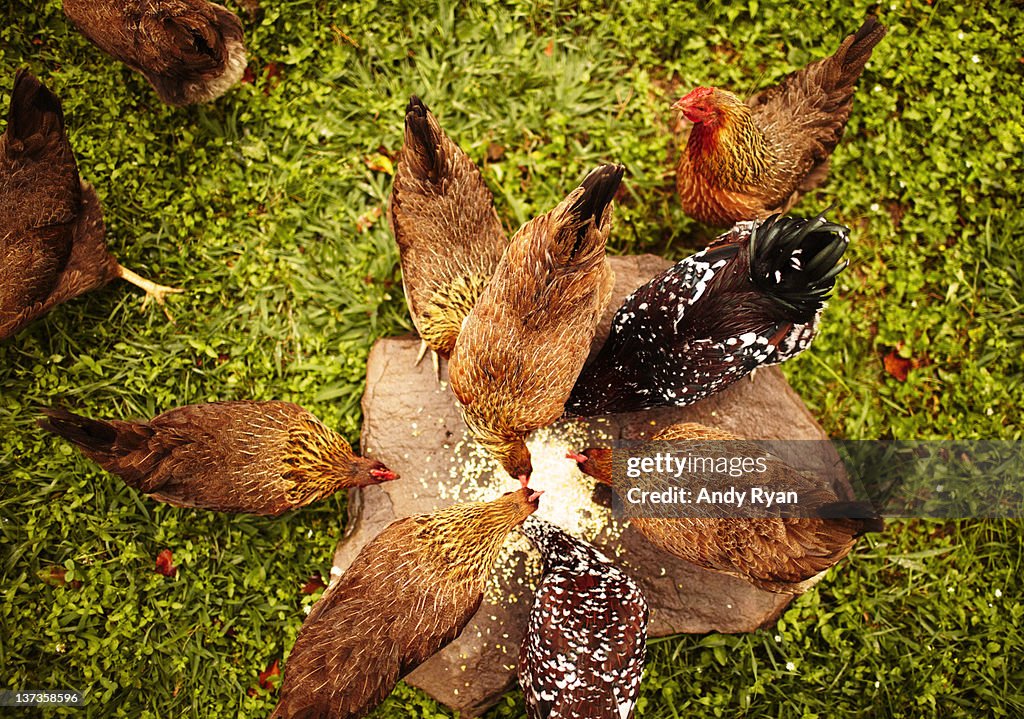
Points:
x=586 y=640
x=715 y=316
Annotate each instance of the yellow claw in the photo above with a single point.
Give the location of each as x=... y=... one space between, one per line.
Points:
x=154 y=292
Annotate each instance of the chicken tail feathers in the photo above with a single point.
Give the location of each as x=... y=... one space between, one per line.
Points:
x=119 y=447
x=89 y=434
x=856 y=50
x=846 y=65
x=599 y=188
x=34 y=109
x=424 y=142
x=863 y=514
x=795 y=261
x=598 y=191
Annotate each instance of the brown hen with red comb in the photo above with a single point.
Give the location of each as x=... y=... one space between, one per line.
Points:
x=253 y=457
x=745 y=161
x=408 y=594
x=778 y=554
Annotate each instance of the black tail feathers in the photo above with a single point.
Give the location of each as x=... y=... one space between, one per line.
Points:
x=89 y=434
x=423 y=139
x=796 y=261
x=34 y=109
x=863 y=512
x=599 y=188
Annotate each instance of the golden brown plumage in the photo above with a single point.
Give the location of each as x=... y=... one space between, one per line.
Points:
x=526 y=340
x=747 y=161
x=254 y=457
x=37 y=209
x=779 y=554
x=191 y=51
x=51 y=224
x=442 y=215
x=408 y=594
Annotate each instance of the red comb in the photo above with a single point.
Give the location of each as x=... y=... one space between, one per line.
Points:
x=698 y=93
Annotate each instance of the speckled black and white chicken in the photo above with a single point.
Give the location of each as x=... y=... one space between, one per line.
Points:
x=753 y=297
x=586 y=639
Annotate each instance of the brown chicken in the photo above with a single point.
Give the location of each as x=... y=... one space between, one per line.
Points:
x=745 y=161
x=442 y=216
x=191 y=51
x=51 y=224
x=779 y=554
x=526 y=340
x=408 y=594
x=253 y=457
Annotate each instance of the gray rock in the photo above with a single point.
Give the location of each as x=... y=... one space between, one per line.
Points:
x=413 y=425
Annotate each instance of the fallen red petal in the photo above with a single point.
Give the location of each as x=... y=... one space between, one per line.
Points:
x=271 y=671
x=898 y=367
x=165 y=563
x=315 y=582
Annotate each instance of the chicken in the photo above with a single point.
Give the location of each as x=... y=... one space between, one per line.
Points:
x=745 y=161
x=526 y=339
x=190 y=51
x=586 y=638
x=785 y=555
x=449 y=236
x=51 y=224
x=753 y=297
x=253 y=457
x=408 y=593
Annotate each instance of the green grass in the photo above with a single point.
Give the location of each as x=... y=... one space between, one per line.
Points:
x=253 y=205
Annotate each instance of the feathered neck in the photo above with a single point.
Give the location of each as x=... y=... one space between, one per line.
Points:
x=466 y=539
x=730 y=146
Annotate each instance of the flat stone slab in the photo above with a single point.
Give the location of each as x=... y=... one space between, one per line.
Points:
x=413 y=425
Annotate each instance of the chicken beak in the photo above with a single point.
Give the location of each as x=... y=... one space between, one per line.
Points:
x=535 y=496
x=579 y=458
